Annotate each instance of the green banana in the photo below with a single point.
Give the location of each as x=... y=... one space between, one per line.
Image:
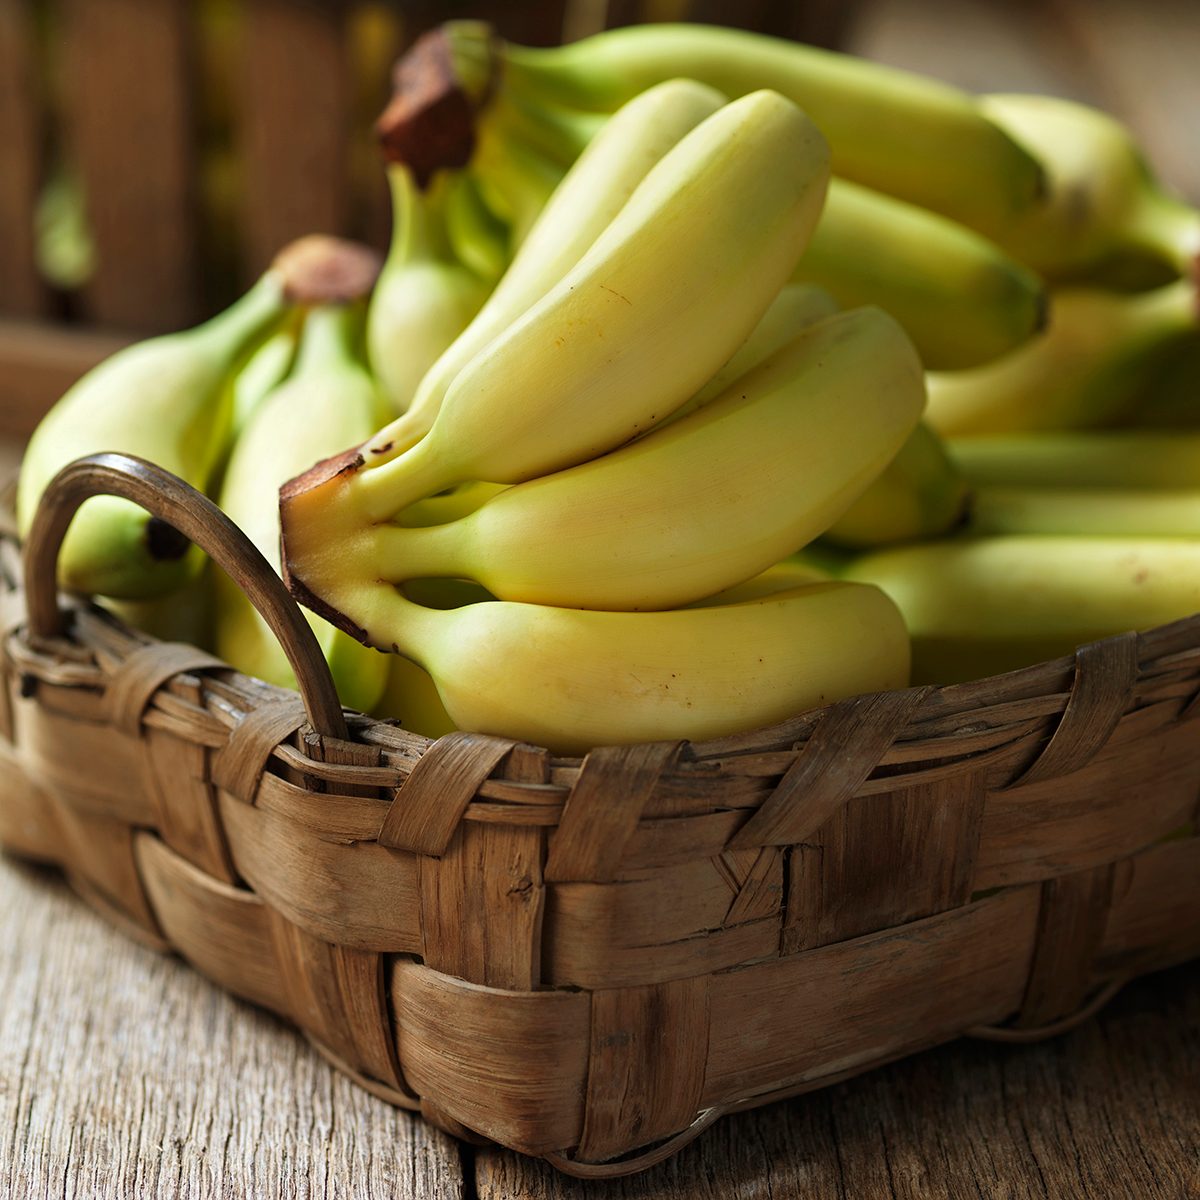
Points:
x=591 y=194
x=685 y=511
x=1086 y=369
x=1104 y=200
x=663 y=298
x=166 y=399
x=919 y=494
x=266 y=368
x=424 y=298
x=961 y=299
x=980 y=606
x=571 y=679
x=328 y=400
x=901 y=133
x=1095 y=512
x=478 y=239
x=1133 y=459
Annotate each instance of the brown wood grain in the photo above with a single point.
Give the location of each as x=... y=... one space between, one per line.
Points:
x=38 y=362
x=1109 y=1111
x=22 y=291
x=129 y=129
x=292 y=126
x=126 y=1074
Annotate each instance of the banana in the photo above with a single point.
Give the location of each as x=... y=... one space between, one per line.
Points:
x=411 y=697
x=787 y=574
x=919 y=494
x=328 y=400
x=166 y=399
x=424 y=298
x=681 y=513
x=980 y=606
x=266 y=368
x=1134 y=459
x=663 y=297
x=1086 y=369
x=182 y=616
x=1104 y=199
x=570 y=679
x=901 y=133
x=795 y=308
x=961 y=299
x=585 y=203
x=478 y=239
x=1095 y=512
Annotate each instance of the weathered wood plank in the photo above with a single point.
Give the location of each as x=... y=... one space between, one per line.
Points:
x=123 y=1073
x=292 y=126
x=127 y=104
x=21 y=289
x=38 y=362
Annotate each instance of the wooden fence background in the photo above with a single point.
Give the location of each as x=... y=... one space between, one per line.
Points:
x=190 y=139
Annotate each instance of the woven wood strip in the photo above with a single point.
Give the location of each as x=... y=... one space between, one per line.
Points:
x=1104 y=678
x=361 y=894
x=649 y=1049
x=224 y=932
x=780 y=1023
x=177 y=772
x=237 y=768
x=842 y=751
x=1074 y=911
x=133 y=684
x=429 y=805
x=885 y=860
x=509 y=1065
x=482 y=904
x=361 y=983
x=338 y=751
x=604 y=807
x=1154 y=920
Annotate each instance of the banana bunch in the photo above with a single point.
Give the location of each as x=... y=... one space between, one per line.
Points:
x=924 y=178
x=646 y=413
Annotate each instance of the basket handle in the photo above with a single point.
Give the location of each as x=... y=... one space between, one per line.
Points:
x=169 y=498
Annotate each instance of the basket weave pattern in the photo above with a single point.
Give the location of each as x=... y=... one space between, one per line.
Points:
x=581 y=958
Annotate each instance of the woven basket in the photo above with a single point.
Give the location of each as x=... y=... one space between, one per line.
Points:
x=591 y=960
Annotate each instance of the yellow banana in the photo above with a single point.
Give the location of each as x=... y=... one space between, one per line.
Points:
x=662 y=299
x=901 y=133
x=919 y=494
x=1104 y=199
x=789 y=573
x=570 y=679
x=166 y=399
x=709 y=501
x=961 y=299
x=328 y=400
x=795 y=308
x=584 y=204
x=1085 y=369
x=979 y=606
x=424 y=298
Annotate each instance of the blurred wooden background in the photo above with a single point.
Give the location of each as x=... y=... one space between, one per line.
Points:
x=155 y=155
